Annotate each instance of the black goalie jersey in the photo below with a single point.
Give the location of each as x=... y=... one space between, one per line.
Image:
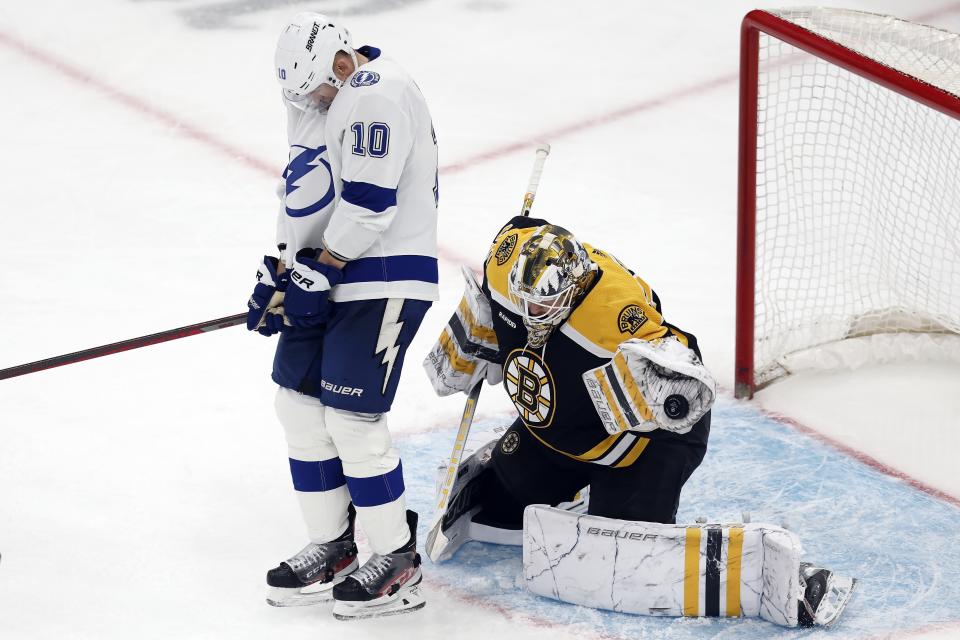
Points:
x=546 y=384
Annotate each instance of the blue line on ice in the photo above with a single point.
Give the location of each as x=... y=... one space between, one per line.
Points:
x=901 y=543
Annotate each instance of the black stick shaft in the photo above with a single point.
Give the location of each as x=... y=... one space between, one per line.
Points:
x=125 y=345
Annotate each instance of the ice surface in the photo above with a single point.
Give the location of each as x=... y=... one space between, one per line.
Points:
x=145 y=494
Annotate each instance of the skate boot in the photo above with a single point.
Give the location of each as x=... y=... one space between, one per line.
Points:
x=825 y=594
x=385 y=585
x=309 y=577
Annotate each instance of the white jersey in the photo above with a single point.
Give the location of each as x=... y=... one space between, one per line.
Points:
x=307 y=193
x=369 y=194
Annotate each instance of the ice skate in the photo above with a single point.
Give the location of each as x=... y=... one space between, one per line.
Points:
x=385 y=585
x=309 y=577
x=825 y=595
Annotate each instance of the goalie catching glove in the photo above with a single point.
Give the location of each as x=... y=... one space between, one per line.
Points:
x=660 y=384
x=461 y=357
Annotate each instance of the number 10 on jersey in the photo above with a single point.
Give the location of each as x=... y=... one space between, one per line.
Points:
x=373 y=141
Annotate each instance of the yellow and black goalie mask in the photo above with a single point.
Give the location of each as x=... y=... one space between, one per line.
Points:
x=548 y=279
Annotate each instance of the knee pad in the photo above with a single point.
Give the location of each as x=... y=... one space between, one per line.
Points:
x=304 y=425
x=363 y=441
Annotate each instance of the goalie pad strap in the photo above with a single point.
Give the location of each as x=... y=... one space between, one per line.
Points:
x=725 y=570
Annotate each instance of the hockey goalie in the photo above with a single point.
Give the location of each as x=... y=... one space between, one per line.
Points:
x=613 y=407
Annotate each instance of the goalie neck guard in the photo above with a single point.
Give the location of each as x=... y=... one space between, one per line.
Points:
x=548 y=279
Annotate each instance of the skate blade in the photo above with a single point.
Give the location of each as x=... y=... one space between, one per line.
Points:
x=305 y=596
x=406 y=600
x=839 y=590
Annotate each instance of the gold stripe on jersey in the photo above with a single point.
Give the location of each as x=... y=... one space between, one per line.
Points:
x=477 y=332
x=635 y=452
x=734 y=564
x=630 y=385
x=595 y=453
x=691 y=573
x=612 y=401
x=449 y=346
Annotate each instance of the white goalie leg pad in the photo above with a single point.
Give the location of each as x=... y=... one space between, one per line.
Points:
x=651 y=385
x=726 y=570
x=374 y=476
x=302 y=417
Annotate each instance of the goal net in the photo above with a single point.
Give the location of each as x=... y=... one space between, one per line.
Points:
x=849 y=202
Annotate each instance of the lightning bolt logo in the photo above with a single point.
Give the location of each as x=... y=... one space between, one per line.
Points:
x=389 y=334
x=315 y=188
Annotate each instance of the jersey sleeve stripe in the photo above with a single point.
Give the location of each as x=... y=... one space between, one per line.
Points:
x=391 y=269
x=631 y=457
x=369 y=196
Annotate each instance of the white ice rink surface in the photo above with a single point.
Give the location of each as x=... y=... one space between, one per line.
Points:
x=145 y=494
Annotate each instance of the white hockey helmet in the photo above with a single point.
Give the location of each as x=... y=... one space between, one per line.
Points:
x=548 y=280
x=306 y=52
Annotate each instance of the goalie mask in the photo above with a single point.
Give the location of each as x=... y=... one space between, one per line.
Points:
x=548 y=280
x=305 y=55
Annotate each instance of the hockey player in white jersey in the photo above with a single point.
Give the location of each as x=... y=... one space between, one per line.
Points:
x=356 y=273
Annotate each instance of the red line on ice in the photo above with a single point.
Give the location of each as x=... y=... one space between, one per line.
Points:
x=860 y=456
x=199 y=135
x=937 y=628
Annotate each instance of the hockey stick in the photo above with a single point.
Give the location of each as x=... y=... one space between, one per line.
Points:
x=124 y=345
x=436 y=541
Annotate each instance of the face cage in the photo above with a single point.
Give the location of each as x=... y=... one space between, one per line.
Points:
x=540 y=326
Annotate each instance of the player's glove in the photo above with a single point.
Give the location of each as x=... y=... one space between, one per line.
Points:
x=264 y=308
x=307 y=298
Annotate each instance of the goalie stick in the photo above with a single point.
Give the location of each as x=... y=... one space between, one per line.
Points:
x=436 y=541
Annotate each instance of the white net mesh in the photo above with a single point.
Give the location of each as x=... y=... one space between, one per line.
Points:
x=858 y=190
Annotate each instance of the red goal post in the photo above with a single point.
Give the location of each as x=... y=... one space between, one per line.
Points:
x=824 y=146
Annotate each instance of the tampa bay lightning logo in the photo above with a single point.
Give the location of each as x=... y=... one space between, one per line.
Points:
x=309 y=181
x=365 y=79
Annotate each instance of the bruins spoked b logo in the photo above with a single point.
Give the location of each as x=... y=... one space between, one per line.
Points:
x=531 y=388
x=505 y=250
x=631 y=319
x=510 y=442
